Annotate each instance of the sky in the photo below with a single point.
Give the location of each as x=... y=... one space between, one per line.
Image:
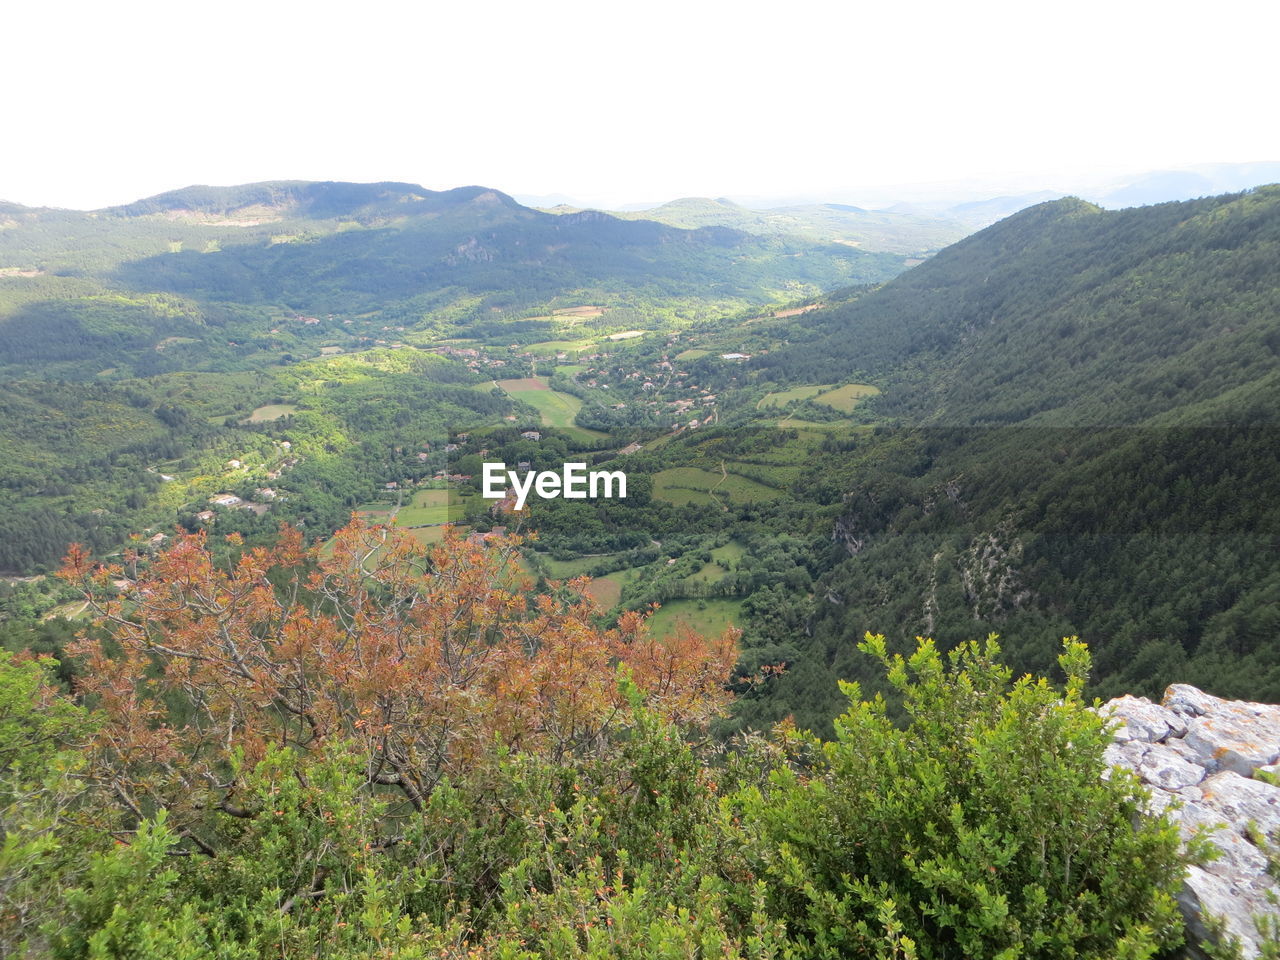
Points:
x=623 y=102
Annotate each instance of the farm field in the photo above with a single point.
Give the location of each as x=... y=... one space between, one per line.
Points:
x=782 y=398
x=607 y=591
x=692 y=354
x=428 y=507
x=272 y=411
x=846 y=398
x=549 y=348
x=709 y=621
x=428 y=536
x=681 y=485
x=556 y=409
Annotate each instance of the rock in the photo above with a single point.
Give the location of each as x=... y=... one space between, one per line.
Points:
x=1162 y=766
x=1198 y=754
x=1140 y=719
x=1243 y=801
x=1235 y=737
x=1187 y=700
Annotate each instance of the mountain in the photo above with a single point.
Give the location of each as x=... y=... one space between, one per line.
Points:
x=1077 y=435
x=886 y=231
x=213 y=277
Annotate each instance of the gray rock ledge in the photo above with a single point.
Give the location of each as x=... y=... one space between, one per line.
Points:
x=1201 y=757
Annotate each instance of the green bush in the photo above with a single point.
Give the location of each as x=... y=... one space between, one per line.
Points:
x=983 y=828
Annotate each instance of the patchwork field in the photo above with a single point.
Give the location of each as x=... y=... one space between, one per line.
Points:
x=710 y=621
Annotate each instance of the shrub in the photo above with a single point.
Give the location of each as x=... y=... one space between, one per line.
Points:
x=982 y=828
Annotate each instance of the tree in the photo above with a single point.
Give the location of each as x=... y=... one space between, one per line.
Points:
x=428 y=660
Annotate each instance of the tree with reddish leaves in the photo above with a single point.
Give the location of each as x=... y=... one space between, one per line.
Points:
x=426 y=658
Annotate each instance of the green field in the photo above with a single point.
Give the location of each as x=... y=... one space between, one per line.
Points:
x=272 y=411
x=556 y=409
x=710 y=573
x=432 y=535
x=731 y=552
x=846 y=398
x=428 y=507
x=692 y=354
x=681 y=485
x=711 y=621
x=782 y=398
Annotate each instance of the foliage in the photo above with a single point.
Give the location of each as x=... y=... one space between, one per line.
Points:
x=425 y=659
x=985 y=823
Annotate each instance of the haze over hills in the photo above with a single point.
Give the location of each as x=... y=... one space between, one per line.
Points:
x=882 y=230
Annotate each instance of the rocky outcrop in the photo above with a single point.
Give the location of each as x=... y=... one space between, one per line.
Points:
x=1209 y=763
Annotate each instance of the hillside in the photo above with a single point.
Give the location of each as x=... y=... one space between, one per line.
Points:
x=213 y=278
x=1077 y=435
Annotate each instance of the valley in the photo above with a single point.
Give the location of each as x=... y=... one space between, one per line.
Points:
x=949 y=453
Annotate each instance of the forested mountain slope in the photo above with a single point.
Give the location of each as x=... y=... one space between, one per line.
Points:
x=1077 y=435
x=215 y=278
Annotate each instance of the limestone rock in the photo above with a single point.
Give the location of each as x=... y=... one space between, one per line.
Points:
x=1198 y=754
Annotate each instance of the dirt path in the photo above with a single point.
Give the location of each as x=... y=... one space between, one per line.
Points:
x=724 y=475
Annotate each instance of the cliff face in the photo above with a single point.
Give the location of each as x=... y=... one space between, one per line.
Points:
x=1211 y=764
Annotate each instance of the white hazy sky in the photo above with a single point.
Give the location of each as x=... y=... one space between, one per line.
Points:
x=618 y=102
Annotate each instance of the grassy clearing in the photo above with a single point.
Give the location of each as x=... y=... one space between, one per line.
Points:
x=554 y=408
x=710 y=573
x=682 y=485
x=607 y=591
x=272 y=411
x=427 y=536
x=846 y=398
x=692 y=354
x=783 y=398
x=427 y=507
x=731 y=552
x=716 y=615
